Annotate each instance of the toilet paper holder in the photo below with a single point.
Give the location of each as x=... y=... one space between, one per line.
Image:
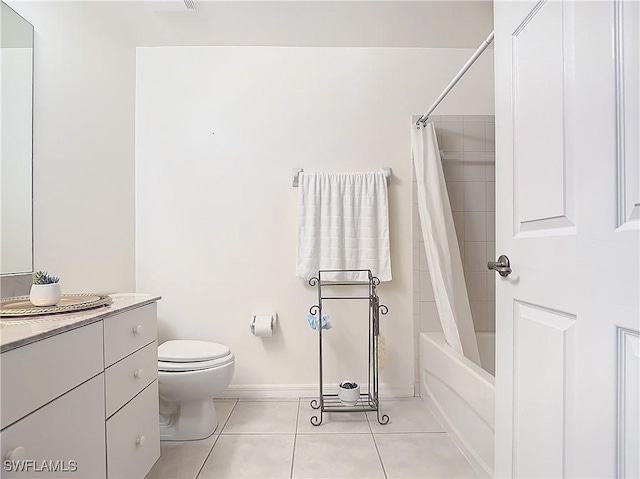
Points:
x=252 y=325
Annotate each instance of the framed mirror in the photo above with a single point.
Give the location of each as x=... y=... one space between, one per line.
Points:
x=16 y=105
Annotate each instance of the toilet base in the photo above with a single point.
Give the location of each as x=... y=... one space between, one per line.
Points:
x=189 y=421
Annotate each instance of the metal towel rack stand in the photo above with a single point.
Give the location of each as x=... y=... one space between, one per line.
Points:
x=369 y=400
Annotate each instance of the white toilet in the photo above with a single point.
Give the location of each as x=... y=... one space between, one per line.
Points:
x=190 y=374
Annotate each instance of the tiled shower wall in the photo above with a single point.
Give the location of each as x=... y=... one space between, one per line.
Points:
x=468 y=158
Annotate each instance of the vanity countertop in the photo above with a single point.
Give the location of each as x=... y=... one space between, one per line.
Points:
x=16 y=332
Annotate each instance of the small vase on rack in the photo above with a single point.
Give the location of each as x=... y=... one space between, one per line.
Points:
x=349 y=393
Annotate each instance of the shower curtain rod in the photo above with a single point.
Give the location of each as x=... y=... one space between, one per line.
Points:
x=423 y=119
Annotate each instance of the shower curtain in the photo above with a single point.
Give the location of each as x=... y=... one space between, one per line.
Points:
x=441 y=244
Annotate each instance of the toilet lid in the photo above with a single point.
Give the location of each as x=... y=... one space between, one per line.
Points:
x=189 y=351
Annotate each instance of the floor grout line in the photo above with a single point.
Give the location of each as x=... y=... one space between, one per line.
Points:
x=207 y=457
x=228 y=417
x=375 y=444
x=216 y=441
x=384 y=470
x=295 y=439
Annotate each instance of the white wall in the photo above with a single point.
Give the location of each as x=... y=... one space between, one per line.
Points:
x=84 y=110
x=216 y=213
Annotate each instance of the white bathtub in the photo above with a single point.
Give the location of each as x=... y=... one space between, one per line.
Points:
x=462 y=396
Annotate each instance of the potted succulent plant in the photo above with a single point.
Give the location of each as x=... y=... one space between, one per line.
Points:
x=349 y=393
x=45 y=290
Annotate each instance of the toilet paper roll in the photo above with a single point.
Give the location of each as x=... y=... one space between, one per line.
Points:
x=262 y=325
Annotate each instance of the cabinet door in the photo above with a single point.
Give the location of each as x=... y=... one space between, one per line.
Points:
x=65 y=438
x=128 y=377
x=127 y=332
x=133 y=436
x=37 y=373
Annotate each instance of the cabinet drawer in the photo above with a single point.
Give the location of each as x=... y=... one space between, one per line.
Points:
x=37 y=373
x=129 y=376
x=129 y=331
x=133 y=436
x=66 y=434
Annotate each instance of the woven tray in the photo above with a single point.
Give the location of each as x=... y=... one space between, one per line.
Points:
x=20 y=306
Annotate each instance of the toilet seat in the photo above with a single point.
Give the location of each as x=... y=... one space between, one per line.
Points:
x=190 y=355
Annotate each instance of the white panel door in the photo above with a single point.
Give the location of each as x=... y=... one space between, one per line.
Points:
x=567 y=182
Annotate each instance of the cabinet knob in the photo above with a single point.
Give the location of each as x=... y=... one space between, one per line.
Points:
x=15 y=454
x=140 y=441
x=138 y=374
x=137 y=329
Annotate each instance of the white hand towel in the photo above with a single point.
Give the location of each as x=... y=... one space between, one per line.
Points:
x=343 y=223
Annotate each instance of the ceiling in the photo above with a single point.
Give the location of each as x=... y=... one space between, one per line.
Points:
x=434 y=24
x=426 y=24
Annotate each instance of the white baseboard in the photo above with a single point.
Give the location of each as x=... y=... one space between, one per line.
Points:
x=294 y=391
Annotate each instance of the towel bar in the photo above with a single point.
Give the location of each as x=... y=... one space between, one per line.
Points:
x=296 y=175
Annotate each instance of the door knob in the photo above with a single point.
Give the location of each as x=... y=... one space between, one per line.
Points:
x=502 y=266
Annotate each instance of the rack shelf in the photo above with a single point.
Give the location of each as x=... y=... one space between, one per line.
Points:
x=368 y=400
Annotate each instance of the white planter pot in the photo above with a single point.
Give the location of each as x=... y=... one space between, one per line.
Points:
x=45 y=294
x=349 y=397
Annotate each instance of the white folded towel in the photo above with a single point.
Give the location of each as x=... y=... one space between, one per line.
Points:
x=343 y=224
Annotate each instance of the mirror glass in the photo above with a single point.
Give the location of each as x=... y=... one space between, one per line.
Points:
x=16 y=105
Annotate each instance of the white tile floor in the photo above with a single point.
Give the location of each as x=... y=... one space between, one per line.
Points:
x=274 y=439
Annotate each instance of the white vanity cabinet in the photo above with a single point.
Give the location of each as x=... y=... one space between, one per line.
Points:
x=83 y=403
x=53 y=407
